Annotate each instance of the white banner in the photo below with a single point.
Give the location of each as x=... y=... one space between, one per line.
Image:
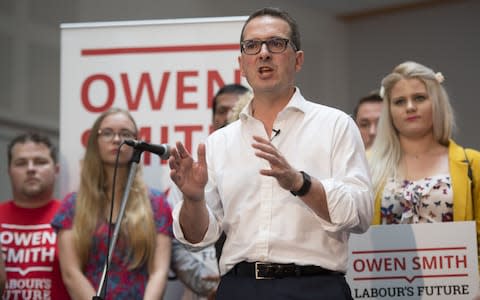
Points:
x=422 y=261
x=164 y=72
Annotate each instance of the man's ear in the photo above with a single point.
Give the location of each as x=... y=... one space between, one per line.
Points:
x=240 y=66
x=299 y=58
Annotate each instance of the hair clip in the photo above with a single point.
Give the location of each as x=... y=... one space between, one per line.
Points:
x=439 y=77
x=382 y=91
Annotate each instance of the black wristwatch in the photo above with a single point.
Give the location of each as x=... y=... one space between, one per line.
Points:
x=307 y=183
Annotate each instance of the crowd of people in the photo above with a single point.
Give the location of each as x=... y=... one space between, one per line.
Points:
x=274 y=192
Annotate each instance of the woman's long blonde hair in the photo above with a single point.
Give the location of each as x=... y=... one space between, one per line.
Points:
x=138 y=226
x=386 y=151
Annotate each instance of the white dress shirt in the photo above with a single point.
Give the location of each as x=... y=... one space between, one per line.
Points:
x=264 y=222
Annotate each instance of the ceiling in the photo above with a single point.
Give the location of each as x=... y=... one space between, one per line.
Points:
x=350 y=9
x=341 y=7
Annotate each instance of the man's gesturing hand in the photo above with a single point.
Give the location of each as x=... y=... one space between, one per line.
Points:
x=288 y=178
x=190 y=176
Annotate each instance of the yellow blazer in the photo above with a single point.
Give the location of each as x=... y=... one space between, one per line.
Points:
x=464 y=208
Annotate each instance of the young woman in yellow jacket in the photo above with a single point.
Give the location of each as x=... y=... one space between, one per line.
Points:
x=419 y=174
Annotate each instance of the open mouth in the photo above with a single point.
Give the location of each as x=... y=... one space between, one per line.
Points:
x=264 y=70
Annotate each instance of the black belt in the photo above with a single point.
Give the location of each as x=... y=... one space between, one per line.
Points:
x=261 y=270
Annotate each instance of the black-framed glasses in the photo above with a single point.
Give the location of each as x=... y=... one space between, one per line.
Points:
x=108 y=134
x=274 y=45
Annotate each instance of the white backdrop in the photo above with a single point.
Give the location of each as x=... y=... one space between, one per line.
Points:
x=165 y=72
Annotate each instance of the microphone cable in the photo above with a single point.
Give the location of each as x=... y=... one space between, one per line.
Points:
x=110 y=217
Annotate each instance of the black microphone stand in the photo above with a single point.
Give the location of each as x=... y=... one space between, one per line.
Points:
x=131 y=175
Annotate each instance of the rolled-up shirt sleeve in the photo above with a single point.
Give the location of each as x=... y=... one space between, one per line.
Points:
x=348 y=189
x=210 y=236
x=214 y=216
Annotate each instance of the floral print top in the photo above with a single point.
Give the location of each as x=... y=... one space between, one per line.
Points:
x=122 y=283
x=426 y=200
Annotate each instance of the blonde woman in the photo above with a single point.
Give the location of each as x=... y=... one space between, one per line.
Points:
x=141 y=259
x=419 y=173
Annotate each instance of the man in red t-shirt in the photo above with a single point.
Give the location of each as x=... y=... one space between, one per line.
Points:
x=28 y=241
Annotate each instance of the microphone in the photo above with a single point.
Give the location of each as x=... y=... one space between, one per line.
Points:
x=277 y=132
x=162 y=150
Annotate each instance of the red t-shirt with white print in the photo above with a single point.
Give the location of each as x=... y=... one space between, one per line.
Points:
x=29 y=248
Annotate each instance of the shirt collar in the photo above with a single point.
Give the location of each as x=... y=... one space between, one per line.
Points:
x=296 y=103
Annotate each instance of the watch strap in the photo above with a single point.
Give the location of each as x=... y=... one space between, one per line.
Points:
x=307 y=183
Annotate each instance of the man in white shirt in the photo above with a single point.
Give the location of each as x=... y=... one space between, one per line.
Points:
x=288 y=182
x=198 y=270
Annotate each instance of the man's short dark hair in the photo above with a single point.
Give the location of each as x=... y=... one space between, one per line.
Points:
x=35 y=137
x=374 y=97
x=277 y=13
x=233 y=88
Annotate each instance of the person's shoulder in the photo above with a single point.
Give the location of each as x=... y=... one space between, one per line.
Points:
x=55 y=203
x=6 y=203
x=327 y=108
x=51 y=204
x=323 y=110
x=7 y=211
x=158 y=202
x=472 y=157
x=6 y=207
x=220 y=135
x=461 y=152
x=70 y=197
x=227 y=128
x=473 y=154
x=472 y=151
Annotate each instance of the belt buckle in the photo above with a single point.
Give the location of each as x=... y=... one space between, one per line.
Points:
x=256 y=271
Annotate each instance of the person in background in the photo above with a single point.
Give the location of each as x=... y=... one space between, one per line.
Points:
x=198 y=270
x=419 y=174
x=141 y=260
x=31 y=260
x=224 y=100
x=286 y=197
x=366 y=115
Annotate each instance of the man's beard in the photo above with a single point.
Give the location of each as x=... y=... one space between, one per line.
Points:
x=33 y=190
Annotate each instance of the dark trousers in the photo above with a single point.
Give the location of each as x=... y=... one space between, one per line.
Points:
x=321 y=287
